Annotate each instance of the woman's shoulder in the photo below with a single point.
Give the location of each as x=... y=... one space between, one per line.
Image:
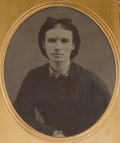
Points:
x=38 y=72
x=84 y=73
x=79 y=70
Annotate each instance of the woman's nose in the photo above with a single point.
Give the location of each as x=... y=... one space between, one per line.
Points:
x=58 y=45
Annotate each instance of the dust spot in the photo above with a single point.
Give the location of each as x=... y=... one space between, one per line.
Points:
x=107 y=132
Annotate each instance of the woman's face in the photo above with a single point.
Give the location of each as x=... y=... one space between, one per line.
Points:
x=59 y=44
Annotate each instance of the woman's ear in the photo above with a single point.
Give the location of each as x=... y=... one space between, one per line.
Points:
x=73 y=47
x=43 y=44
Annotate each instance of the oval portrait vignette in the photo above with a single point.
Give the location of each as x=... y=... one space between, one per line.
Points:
x=59 y=72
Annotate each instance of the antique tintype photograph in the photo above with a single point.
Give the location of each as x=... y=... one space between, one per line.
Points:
x=59 y=71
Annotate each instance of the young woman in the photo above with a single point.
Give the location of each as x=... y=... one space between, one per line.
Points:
x=69 y=98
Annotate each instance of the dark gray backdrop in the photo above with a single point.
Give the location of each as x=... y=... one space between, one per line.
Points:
x=23 y=53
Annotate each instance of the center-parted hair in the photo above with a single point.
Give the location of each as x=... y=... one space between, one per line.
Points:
x=50 y=23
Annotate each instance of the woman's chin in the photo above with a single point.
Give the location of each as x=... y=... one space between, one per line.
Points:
x=57 y=59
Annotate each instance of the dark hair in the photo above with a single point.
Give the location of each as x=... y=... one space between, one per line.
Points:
x=49 y=24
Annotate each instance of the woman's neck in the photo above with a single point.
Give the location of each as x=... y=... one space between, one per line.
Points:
x=59 y=66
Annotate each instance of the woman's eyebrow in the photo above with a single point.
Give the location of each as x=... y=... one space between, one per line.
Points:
x=51 y=39
x=57 y=38
x=64 y=38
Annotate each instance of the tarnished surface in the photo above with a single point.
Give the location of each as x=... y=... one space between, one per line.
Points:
x=10 y=131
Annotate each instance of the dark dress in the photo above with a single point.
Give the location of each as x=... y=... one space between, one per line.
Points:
x=70 y=104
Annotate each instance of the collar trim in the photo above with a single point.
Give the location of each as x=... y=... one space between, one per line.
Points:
x=65 y=72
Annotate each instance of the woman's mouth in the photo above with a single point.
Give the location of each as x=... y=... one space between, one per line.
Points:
x=57 y=54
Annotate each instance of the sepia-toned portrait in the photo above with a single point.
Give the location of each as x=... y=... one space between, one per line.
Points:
x=59 y=71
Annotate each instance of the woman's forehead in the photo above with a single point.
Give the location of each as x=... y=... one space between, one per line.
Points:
x=59 y=33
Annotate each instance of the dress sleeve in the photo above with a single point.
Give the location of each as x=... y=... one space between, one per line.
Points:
x=100 y=92
x=26 y=110
x=99 y=97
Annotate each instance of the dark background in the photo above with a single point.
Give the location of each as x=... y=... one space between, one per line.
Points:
x=23 y=53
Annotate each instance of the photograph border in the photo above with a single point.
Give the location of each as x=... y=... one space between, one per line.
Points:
x=115 y=50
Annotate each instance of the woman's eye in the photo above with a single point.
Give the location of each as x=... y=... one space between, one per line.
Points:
x=64 y=40
x=51 y=40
